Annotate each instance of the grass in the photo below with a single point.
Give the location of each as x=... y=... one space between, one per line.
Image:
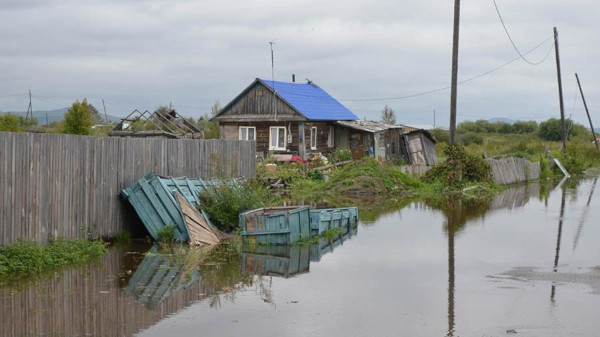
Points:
x=581 y=152
x=25 y=259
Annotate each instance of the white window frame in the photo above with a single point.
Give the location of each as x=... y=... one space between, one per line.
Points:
x=313 y=133
x=246 y=127
x=277 y=147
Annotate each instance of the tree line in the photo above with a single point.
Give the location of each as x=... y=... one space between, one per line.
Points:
x=82 y=118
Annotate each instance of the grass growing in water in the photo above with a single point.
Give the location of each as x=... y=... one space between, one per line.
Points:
x=166 y=234
x=224 y=203
x=24 y=258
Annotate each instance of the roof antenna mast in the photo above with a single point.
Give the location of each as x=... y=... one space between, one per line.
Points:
x=273 y=102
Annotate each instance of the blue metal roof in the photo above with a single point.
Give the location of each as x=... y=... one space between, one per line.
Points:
x=311 y=101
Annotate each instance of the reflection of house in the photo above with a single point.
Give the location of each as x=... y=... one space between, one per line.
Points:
x=283 y=117
x=368 y=138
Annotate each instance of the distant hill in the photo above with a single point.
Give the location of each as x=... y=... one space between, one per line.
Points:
x=501 y=120
x=57 y=115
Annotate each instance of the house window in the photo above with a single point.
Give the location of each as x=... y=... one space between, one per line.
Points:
x=259 y=92
x=247 y=133
x=331 y=137
x=277 y=138
x=313 y=138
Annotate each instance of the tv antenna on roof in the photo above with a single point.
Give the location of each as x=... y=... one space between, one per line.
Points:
x=273 y=103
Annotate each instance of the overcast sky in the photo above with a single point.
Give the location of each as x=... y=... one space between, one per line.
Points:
x=142 y=54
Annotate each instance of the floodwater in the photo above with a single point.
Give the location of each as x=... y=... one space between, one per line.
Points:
x=525 y=261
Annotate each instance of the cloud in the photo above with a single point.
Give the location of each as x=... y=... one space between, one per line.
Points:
x=141 y=54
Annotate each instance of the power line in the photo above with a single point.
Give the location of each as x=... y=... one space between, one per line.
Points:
x=14 y=95
x=460 y=82
x=513 y=42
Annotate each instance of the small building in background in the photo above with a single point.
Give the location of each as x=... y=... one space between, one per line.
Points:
x=284 y=118
x=368 y=138
x=418 y=147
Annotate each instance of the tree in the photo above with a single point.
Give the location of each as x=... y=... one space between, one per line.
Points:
x=96 y=118
x=78 y=119
x=552 y=129
x=9 y=122
x=210 y=128
x=388 y=116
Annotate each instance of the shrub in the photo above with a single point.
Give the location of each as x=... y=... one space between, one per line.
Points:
x=315 y=174
x=166 y=234
x=340 y=155
x=224 y=203
x=78 y=119
x=458 y=169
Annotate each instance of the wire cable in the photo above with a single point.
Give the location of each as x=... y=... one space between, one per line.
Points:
x=460 y=82
x=513 y=42
x=13 y=95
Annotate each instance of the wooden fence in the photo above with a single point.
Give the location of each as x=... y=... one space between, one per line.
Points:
x=68 y=186
x=505 y=171
x=511 y=170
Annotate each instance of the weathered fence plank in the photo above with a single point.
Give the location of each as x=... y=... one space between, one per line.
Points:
x=508 y=171
x=68 y=186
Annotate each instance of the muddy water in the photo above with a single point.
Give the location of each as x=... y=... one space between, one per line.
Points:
x=526 y=261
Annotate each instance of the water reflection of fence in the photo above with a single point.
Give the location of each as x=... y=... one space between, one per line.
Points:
x=515 y=197
x=68 y=186
x=87 y=302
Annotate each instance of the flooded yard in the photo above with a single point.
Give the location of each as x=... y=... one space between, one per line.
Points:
x=525 y=261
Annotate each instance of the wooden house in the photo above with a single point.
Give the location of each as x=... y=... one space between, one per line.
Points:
x=283 y=117
x=368 y=138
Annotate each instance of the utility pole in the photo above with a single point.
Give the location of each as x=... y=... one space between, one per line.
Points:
x=587 y=112
x=434 y=118
x=454 y=72
x=29 y=108
x=560 y=93
x=105 y=115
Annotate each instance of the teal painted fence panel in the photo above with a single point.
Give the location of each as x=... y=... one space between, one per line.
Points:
x=153 y=200
x=276 y=225
x=328 y=218
x=288 y=225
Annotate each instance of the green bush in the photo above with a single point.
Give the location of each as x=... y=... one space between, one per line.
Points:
x=166 y=234
x=459 y=169
x=315 y=174
x=224 y=203
x=79 y=119
x=340 y=154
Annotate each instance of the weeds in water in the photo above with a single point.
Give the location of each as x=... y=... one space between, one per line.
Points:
x=123 y=237
x=166 y=234
x=25 y=258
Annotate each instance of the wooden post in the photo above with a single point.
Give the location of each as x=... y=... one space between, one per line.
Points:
x=587 y=112
x=454 y=83
x=105 y=115
x=560 y=93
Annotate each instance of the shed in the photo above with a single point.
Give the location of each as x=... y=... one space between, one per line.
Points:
x=418 y=148
x=368 y=138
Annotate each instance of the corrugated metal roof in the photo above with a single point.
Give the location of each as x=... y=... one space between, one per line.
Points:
x=311 y=101
x=368 y=126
